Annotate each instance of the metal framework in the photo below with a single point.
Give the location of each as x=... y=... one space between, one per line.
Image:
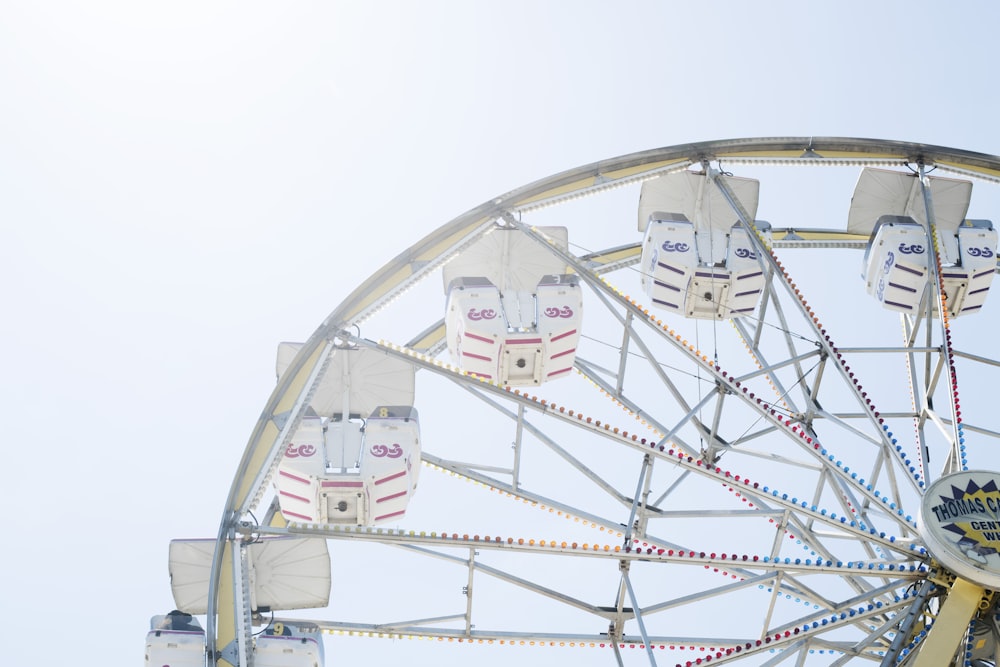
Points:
x=696 y=492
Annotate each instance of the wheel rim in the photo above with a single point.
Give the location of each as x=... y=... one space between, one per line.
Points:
x=784 y=434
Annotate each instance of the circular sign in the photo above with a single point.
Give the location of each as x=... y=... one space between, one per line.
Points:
x=960 y=522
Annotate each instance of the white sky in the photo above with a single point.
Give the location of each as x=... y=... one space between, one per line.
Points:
x=183 y=185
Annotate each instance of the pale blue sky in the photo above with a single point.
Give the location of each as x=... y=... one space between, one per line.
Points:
x=184 y=184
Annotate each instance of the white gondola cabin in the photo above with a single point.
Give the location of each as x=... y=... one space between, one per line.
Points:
x=175 y=639
x=288 y=645
x=513 y=313
x=339 y=468
x=698 y=258
x=891 y=207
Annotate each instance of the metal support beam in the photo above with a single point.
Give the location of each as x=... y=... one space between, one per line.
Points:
x=951 y=625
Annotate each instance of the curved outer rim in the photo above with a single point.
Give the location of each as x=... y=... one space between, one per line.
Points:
x=258 y=452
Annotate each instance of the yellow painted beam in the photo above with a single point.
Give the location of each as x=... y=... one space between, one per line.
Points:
x=278 y=520
x=948 y=631
x=819 y=235
x=270 y=433
x=623 y=254
x=225 y=625
x=430 y=340
x=986 y=171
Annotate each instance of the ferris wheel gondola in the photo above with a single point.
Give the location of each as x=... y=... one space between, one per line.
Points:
x=744 y=460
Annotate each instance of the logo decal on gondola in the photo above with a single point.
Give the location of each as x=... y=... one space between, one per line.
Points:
x=675 y=247
x=880 y=290
x=912 y=249
x=299 y=451
x=484 y=314
x=746 y=253
x=980 y=252
x=393 y=452
x=890 y=257
x=565 y=312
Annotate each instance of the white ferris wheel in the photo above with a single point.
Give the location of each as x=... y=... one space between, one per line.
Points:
x=724 y=402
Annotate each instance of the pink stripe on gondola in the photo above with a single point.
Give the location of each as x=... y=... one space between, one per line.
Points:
x=480 y=338
x=295 y=477
x=327 y=485
x=563 y=335
x=391 y=477
x=386 y=516
x=292 y=495
x=395 y=495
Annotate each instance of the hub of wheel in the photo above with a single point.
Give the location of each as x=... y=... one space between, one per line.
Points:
x=960 y=523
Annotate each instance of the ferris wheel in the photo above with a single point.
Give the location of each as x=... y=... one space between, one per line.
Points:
x=724 y=402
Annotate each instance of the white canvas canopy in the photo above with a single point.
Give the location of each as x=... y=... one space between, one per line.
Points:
x=285 y=573
x=696 y=197
x=510 y=260
x=363 y=377
x=290 y=574
x=883 y=192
